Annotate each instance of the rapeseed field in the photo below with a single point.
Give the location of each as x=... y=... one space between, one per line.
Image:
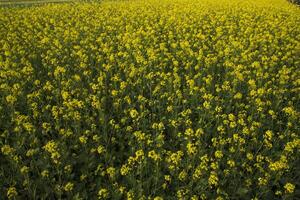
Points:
x=170 y=99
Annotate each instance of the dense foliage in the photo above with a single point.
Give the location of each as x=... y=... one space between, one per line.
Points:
x=295 y=1
x=188 y=99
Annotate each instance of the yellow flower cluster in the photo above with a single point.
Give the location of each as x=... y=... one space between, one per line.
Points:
x=51 y=147
x=154 y=99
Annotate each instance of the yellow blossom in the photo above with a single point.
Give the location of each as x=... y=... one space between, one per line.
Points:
x=289 y=188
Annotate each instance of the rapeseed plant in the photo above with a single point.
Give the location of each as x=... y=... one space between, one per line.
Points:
x=191 y=99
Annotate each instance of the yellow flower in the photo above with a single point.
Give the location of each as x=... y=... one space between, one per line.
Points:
x=83 y=139
x=45 y=173
x=269 y=135
x=231 y=163
x=111 y=171
x=250 y=156
x=153 y=155
x=194 y=197
x=130 y=195
x=213 y=179
x=103 y=193
x=189 y=132
x=238 y=96
x=52 y=148
x=206 y=105
x=167 y=178
x=181 y=194
x=191 y=148
x=139 y=154
x=218 y=154
x=59 y=71
x=100 y=149
x=124 y=170
x=175 y=158
x=279 y=165
x=69 y=187
x=6 y=149
x=182 y=175
x=12 y=192
x=289 y=188
x=231 y=117
x=83 y=177
x=24 y=170
x=134 y=113
x=68 y=169
x=262 y=181
x=11 y=99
